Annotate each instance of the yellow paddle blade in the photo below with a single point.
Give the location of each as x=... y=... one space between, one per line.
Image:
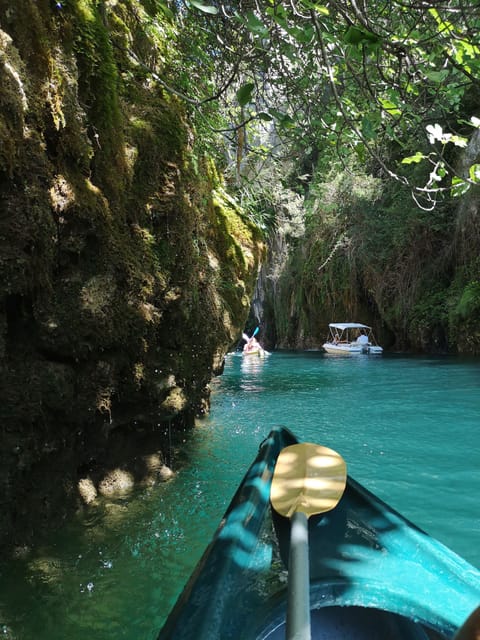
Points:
x=308 y=478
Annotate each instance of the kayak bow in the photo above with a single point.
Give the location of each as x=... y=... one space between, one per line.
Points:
x=373 y=574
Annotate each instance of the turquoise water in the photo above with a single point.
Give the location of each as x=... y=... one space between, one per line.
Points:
x=408 y=428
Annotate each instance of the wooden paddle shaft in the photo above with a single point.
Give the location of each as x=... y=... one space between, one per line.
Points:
x=298 y=610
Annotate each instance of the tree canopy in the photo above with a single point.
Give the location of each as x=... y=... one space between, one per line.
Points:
x=388 y=80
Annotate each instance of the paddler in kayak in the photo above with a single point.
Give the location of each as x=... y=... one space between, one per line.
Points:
x=252 y=346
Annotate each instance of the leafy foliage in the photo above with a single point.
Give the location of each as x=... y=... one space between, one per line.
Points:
x=469 y=303
x=337 y=76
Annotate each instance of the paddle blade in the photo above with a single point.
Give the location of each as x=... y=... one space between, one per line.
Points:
x=308 y=478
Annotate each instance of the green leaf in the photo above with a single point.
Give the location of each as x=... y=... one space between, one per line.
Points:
x=468 y=49
x=244 y=94
x=458 y=141
x=459 y=187
x=443 y=25
x=283 y=118
x=319 y=8
x=437 y=76
x=390 y=107
x=203 y=7
x=368 y=129
x=441 y=171
x=418 y=157
x=263 y=115
x=278 y=16
x=360 y=151
x=353 y=35
x=358 y=35
x=301 y=35
x=256 y=26
x=474 y=173
x=166 y=11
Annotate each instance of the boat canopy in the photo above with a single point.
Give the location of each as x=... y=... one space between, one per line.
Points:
x=348 y=325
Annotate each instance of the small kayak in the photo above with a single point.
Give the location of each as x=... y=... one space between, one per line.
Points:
x=373 y=574
x=260 y=353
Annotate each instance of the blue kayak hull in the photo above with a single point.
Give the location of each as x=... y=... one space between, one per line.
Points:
x=373 y=574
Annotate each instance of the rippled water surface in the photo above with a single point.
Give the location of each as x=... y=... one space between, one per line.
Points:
x=408 y=427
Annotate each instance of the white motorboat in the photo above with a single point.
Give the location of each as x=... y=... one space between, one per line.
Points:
x=351 y=338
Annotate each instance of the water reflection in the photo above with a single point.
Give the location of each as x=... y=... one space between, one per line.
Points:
x=252 y=369
x=252 y=364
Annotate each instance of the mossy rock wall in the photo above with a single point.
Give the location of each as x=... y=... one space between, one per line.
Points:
x=126 y=271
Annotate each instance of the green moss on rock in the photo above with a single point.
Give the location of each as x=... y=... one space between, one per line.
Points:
x=126 y=270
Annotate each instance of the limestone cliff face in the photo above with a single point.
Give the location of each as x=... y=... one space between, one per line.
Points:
x=126 y=271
